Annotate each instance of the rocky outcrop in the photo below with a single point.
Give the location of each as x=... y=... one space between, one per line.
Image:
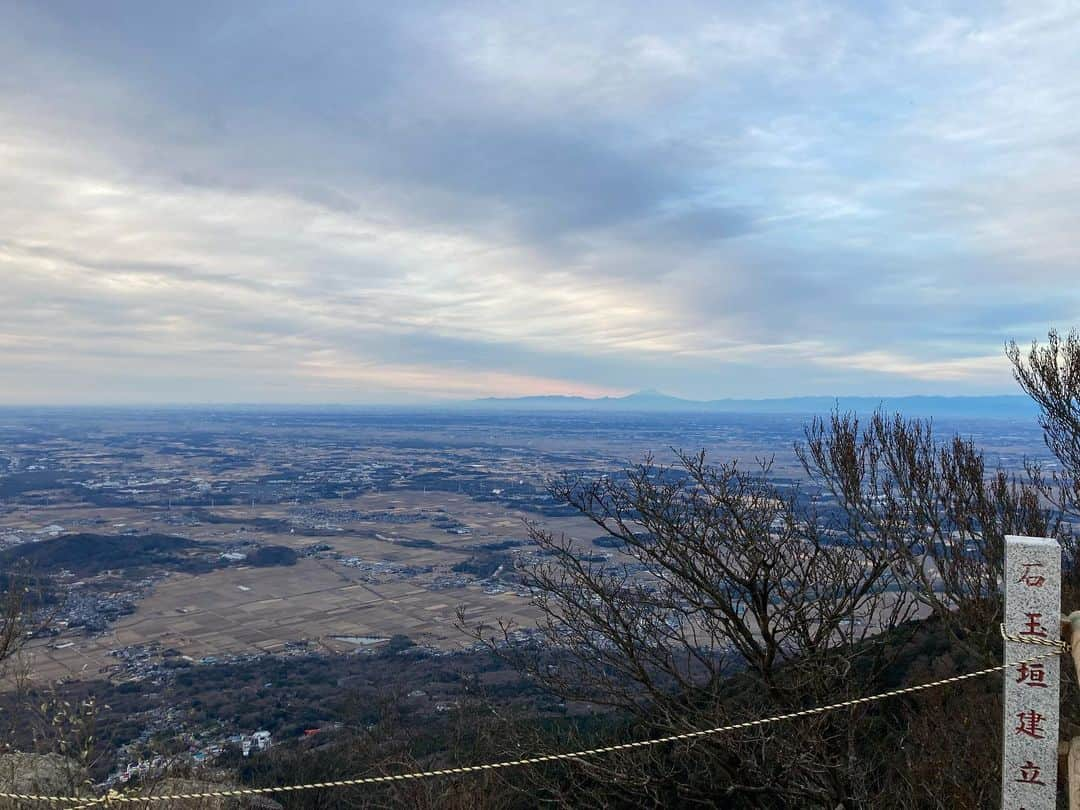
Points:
x=41 y=775
x=54 y=775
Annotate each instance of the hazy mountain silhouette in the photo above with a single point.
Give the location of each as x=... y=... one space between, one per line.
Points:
x=1004 y=406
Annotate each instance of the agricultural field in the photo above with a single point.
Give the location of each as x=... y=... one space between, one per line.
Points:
x=232 y=534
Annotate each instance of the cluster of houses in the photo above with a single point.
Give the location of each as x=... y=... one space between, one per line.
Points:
x=157 y=765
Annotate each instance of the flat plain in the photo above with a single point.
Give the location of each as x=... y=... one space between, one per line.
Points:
x=391 y=521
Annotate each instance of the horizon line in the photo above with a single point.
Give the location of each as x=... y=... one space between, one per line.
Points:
x=492 y=399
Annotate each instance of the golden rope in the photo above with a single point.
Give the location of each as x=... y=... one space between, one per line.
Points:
x=113 y=797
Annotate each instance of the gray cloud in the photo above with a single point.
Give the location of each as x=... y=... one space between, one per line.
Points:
x=354 y=199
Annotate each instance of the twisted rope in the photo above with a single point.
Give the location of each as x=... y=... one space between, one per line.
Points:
x=114 y=797
x=1061 y=646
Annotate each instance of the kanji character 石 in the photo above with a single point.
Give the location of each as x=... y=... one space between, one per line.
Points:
x=1034 y=580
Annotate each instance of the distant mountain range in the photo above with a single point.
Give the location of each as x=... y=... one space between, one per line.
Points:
x=1005 y=407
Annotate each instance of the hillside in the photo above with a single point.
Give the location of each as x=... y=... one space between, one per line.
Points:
x=87 y=554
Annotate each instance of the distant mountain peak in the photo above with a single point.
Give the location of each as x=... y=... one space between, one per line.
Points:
x=649 y=399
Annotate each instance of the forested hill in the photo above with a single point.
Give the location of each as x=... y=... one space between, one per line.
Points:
x=87 y=554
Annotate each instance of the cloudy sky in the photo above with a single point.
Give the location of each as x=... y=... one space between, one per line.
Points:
x=398 y=202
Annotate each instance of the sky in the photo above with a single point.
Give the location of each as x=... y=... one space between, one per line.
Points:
x=363 y=202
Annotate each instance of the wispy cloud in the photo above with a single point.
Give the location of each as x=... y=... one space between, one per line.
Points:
x=350 y=203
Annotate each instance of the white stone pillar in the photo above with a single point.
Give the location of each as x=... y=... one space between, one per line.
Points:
x=1032 y=610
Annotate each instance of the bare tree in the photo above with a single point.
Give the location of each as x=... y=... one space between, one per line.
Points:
x=1050 y=374
x=12 y=620
x=735 y=598
x=936 y=508
x=378 y=735
x=21 y=614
